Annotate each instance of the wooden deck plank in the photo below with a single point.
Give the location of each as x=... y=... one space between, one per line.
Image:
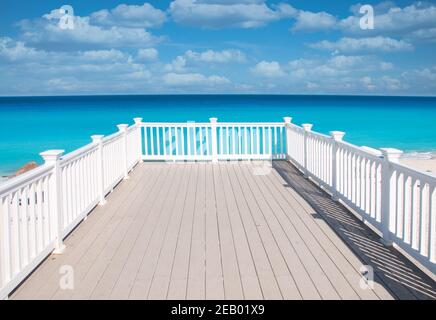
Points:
x=179 y=275
x=88 y=269
x=105 y=270
x=299 y=284
x=256 y=273
x=44 y=284
x=268 y=206
x=126 y=278
x=342 y=255
x=303 y=283
x=108 y=280
x=231 y=273
x=218 y=231
x=266 y=255
x=164 y=211
x=344 y=288
x=214 y=272
x=197 y=256
x=162 y=273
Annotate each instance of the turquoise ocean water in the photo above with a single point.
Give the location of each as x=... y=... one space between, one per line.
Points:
x=29 y=125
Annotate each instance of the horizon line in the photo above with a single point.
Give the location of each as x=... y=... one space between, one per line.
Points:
x=217 y=94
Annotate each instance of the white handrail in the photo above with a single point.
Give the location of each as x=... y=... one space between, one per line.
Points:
x=40 y=207
x=397 y=200
x=213 y=141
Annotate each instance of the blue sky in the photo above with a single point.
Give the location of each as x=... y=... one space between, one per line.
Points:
x=217 y=46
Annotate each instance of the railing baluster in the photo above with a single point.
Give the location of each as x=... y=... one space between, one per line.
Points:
x=146 y=140
x=152 y=141
x=98 y=140
x=52 y=158
x=176 y=129
x=123 y=129
x=388 y=192
x=188 y=135
x=307 y=128
x=214 y=147
x=337 y=137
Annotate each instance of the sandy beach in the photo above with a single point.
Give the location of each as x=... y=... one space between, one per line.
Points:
x=426 y=165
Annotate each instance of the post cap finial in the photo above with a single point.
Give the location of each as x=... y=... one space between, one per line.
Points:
x=96 y=138
x=307 y=126
x=337 y=135
x=287 y=119
x=213 y=119
x=51 y=155
x=391 y=154
x=122 y=127
x=137 y=120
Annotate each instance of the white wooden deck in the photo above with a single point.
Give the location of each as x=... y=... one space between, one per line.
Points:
x=205 y=231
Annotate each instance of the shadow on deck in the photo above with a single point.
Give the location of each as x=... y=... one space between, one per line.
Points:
x=392 y=270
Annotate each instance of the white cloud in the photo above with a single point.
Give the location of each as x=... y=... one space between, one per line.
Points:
x=66 y=84
x=137 y=75
x=392 y=83
x=336 y=66
x=148 y=54
x=302 y=63
x=363 y=45
x=311 y=21
x=132 y=16
x=346 y=62
x=386 y=66
x=312 y=85
x=379 y=8
x=268 y=69
x=111 y=55
x=427 y=75
x=422 y=35
x=47 y=31
x=211 y=56
x=177 y=65
x=189 y=79
x=54 y=72
x=367 y=83
x=17 y=50
x=395 y=20
x=180 y=63
x=227 y=14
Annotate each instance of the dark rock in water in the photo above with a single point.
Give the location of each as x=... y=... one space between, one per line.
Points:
x=28 y=166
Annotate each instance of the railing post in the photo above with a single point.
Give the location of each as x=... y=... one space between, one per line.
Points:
x=213 y=122
x=123 y=129
x=52 y=158
x=390 y=156
x=98 y=140
x=287 y=121
x=138 y=124
x=337 y=137
x=307 y=128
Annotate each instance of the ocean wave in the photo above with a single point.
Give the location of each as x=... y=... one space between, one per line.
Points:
x=418 y=155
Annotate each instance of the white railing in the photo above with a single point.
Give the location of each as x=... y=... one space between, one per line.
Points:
x=39 y=208
x=213 y=141
x=396 y=200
